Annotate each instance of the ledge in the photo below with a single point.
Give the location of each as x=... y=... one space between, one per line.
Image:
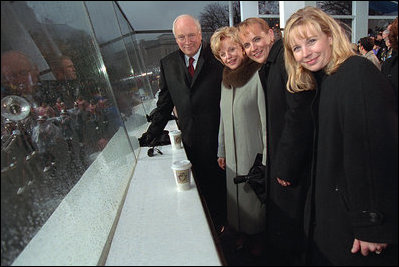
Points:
x=160 y=225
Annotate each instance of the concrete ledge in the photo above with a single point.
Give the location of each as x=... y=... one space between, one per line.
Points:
x=160 y=225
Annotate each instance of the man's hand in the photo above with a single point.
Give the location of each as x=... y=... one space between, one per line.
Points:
x=366 y=247
x=222 y=163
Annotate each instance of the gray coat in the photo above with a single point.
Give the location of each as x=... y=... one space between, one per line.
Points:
x=242 y=134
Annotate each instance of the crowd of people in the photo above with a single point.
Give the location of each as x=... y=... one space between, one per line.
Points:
x=380 y=48
x=59 y=113
x=324 y=120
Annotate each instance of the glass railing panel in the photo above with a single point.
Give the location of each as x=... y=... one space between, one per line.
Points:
x=60 y=110
x=119 y=66
x=139 y=77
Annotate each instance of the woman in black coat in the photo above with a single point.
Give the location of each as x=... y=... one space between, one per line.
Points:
x=390 y=65
x=351 y=215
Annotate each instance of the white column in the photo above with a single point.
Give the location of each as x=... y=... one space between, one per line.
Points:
x=287 y=8
x=360 y=9
x=231 y=14
x=248 y=9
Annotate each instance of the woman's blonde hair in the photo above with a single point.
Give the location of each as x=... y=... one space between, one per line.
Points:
x=314 y=19
x=219 y=35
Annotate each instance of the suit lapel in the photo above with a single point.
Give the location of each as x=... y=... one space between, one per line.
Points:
x=183 y=69
x=198 y=68
x=201 y=59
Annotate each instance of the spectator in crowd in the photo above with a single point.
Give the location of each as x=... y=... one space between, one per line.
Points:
x=45 y=110
x=66 y=125
x=377 y=43
x=190 y=79
x=366 y=45
x=242 y=135
x=82 y=103
x=355 y=48
x=46 y=136
x=79 y=117
x=64 y=69
x=289 y=143
x=387 y=51
x=277 y=33
x=390 y=66
x=59 y=106
x=351 y=212
x=18 y=156
x=20 y=76
x=381 y=47
x=67 y=86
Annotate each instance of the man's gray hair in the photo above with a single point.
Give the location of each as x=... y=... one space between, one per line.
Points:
x=196 y=21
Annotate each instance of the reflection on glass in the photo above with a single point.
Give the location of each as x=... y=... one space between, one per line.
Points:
x=378 y=25
x=335 y=7
x=268 y=7
x=63 y=104
x=347 y=25
x=383 y=8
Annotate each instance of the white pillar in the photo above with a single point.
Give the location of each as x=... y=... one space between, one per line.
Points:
x=248 y=9
x=360 y=9
x=231 y=14
x=287 y=8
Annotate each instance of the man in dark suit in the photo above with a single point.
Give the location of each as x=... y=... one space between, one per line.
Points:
x=196 y=98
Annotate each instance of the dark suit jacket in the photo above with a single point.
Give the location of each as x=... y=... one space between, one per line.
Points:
x=197 y=100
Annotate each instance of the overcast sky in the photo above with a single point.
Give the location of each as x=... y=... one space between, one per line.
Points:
x=159 y=15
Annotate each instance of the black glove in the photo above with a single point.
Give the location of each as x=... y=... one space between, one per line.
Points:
x=146 y=139
x=255 y=178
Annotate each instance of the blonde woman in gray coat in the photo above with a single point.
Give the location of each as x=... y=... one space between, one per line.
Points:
x=242 y=134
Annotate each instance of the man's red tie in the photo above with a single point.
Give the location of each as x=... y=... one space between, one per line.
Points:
x=190 y=66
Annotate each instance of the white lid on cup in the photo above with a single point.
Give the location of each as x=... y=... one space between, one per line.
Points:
x=174 y=132
x=181 y=164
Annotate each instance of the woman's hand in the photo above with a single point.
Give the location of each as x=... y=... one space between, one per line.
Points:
x=366 y=247
x=222 y=163
x=282 y=182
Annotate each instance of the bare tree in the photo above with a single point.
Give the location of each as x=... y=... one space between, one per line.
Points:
x=268 y=7
x=216 y=15
x=336 y=7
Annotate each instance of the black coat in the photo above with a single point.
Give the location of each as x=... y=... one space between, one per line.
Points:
x=197 y=102
x=354 y=188
x=390 y=69
x=289 y=144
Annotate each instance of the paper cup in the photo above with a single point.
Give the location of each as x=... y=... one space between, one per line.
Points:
x=175 y=139
x=182 y=172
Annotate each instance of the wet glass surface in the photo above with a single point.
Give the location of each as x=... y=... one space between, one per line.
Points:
x=64 y=97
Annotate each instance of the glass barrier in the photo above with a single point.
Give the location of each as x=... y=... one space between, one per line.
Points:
x=383 y=8
x=335 y=7
x=72 y=83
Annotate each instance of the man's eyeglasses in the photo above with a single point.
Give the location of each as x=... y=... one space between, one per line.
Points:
x=190 y=37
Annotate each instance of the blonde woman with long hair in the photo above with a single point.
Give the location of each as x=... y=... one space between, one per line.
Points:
x=351 y=216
